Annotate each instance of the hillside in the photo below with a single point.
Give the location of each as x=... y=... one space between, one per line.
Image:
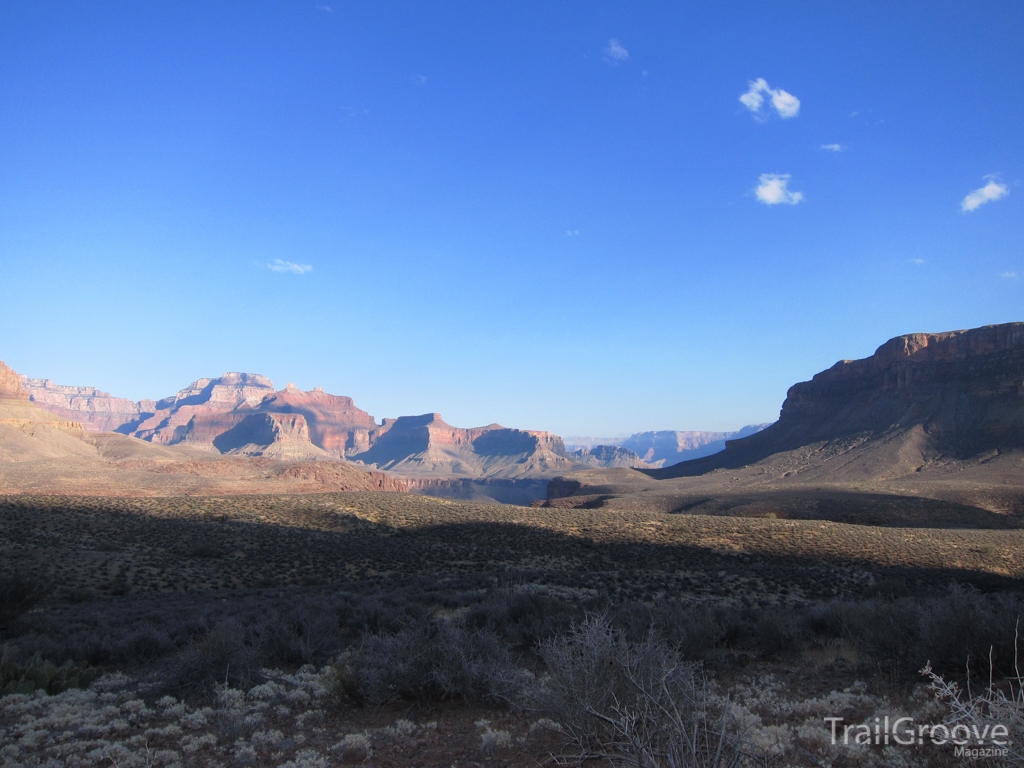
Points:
x=930 y=428
x=920 y=400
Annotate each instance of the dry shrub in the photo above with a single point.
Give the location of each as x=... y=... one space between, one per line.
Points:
x=300 y=635
x=430 y=660
x=983 y=711
x=637 y=703
x=226 y=655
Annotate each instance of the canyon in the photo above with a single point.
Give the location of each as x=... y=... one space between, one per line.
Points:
x=929 y=419
x=242 y=414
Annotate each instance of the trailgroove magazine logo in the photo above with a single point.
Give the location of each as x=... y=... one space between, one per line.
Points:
x=972 y=741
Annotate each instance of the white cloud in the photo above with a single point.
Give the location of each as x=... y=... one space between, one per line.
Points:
x=572 y=233
x=785 y=103
x=278 y=265
x=917 y=262
x=324 y=8
x=753 y=99
x=419 y=79
x=834 y=147
x=772 y=190
x=1009 y=275
x=616 y=51
x=988 y=193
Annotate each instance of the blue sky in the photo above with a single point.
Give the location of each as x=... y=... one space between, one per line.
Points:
x=541 y=214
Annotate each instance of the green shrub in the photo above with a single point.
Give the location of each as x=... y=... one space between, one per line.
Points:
x=429 y=660
x=39 y=674
x=18 y=593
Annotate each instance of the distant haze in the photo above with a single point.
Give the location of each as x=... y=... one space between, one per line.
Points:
x=664 y=448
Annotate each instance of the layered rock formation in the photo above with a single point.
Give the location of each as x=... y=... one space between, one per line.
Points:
x=203 y=400
x=271 y=435
x=97 y=411
x=928 y=431
x=921 y=396
x=10 y=384
x=27 y=432
x=18 y=412
x=426 y=445
x=242 y=414
x=608 y=456
x=40 y=452
x=667 y=447
x=335 y=425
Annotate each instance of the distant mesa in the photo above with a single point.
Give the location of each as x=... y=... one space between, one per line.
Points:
x=662 y=448
x=608 y=456
x=97 y=411
x=269 y=435
x=336 y=426
x=665 y=448
x=426 y=445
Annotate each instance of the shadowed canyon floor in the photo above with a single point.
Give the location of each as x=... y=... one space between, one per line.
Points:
x=130 y=546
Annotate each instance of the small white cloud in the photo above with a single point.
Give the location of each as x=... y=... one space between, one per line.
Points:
x=772 y=190
x=785 y=104
x=419 y=79
x=917 y=262
x=991 y=191
x=324 y=8
x=616 y=51
x=753 y=99
x=572 y=233
x=834 y=147
x=1009 y=275
x=279 y=265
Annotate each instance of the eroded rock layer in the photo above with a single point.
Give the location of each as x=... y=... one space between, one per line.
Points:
x=97 y=411
x=958 y=394
x=242 y=414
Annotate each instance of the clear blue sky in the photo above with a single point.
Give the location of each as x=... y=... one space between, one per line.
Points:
x=544 y=214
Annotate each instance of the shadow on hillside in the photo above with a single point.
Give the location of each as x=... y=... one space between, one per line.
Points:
x=111 y=551
x=853 y=508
